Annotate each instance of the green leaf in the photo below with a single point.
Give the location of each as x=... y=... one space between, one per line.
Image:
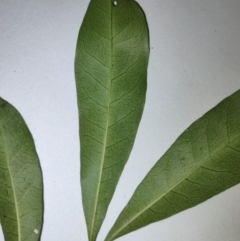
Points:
x=202 y=162
x=21 y=204
x=111 y=70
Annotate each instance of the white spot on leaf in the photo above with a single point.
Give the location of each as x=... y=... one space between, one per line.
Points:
x=35 y=231
x=115 y=3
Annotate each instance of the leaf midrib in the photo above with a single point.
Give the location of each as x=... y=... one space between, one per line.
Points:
x=11 y=179
x=106 y=133
x=164 y=194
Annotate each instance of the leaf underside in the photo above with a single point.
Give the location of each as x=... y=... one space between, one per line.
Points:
x=110 y=70
x=21 y=198
x=202 y=162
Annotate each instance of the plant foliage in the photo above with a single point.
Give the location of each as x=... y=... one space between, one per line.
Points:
x=111 y=70
x=202 y=162
x=21 y=190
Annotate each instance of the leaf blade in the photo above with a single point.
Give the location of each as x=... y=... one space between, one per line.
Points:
x=202 y=162
x=21 y=205
x=112 y=46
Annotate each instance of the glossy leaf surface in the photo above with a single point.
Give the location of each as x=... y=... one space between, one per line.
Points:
x=21 y=204
x=202 y=162
x=111 y=70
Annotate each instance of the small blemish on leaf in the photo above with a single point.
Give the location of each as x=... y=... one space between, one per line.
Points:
x=3 y=105
x=35 y=231
x=115 y=3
